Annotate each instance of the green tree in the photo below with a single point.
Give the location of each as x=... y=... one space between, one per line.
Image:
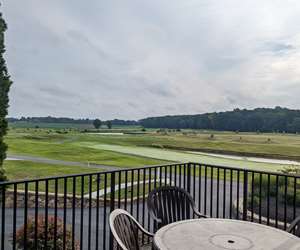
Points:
x=260 y=119
x=109 y=124
x=5 y=84
x=97 y=123
x=295 y=125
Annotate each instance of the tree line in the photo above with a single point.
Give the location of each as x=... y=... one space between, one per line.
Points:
x=261 y=119
x=50 y=119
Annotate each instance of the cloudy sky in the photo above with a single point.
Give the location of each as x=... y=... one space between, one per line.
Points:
x=131 y=59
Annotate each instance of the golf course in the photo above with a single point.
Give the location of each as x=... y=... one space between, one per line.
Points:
x=38 y=152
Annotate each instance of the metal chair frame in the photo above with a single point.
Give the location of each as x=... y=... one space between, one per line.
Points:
x=121 y=221
x=295 y=227
x=169 y=204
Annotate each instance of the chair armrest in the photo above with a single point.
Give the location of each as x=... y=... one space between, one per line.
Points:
x=144 y=231
x=193 y=205
x=293 y=225
x=148 y=233
x=158 y=220
x=199 y=214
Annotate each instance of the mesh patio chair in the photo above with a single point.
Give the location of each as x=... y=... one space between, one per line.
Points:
x=295 y=227
x=127 y=232
x=170 y=204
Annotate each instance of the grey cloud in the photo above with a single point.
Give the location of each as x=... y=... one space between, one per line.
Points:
x=131 y=59
x=161 y=89
x=277 y=47
x=57 y=91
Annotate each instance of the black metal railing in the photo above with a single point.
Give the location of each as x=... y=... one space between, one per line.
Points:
x=71 y=212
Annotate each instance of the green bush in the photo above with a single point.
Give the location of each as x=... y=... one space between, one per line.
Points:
x=41 y=235
x=272 y=190
x=290 y=197
x=2 y=174
x=264 y=185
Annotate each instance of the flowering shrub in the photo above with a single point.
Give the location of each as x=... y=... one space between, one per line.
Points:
x=41 y=234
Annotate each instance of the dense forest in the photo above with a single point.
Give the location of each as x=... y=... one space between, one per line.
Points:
x=260 y=119
x=50 y=119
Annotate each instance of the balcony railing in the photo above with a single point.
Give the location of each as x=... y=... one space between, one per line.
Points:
x=71 y=212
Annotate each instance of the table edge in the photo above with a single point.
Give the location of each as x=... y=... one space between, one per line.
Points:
x=164 y=228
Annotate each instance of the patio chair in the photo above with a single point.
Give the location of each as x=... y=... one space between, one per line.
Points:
x=170 y=204
x=295 y=227
x=127 y=232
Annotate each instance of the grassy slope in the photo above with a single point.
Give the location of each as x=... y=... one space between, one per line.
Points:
x=19 y=170
x=279 y=145
x=138 y=150
x=62 y=147
x=175 y=156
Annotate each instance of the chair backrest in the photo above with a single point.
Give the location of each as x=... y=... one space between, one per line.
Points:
x=124 y=229
x=170 y=204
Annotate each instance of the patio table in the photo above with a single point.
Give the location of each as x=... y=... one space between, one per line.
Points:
x=216 y=234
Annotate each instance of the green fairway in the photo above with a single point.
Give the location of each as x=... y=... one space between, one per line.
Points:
x=153 y=148
x=63 y=147
x=176 y=156
x=264 y=145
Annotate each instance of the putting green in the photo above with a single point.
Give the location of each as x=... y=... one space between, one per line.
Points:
x=177 y=156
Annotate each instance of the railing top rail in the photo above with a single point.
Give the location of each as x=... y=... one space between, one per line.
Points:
x=248 y=170
x=5 y=183
x=88 y=174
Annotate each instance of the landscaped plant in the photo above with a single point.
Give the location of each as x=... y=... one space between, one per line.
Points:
x=31 y=229
x=273 y=188
x=264 y=185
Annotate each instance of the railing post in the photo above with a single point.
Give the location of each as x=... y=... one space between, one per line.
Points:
x=2 y=200
x=245 y=196
x=112 y=204
x=188 y=183
x=188 y=176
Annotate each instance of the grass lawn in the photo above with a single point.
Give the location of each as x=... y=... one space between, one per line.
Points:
x=269 y=145
x=62 y=147
x=176 y=156
x=153 y=148
x=19 y=170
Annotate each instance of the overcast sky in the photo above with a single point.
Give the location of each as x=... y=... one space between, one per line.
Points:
x=131 y=59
